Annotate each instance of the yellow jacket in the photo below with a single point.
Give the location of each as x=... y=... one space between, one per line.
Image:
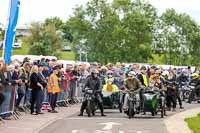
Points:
x=110 y=88
x=53 y=85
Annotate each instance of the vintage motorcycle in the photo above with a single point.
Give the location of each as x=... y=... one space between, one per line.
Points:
x=153 y=102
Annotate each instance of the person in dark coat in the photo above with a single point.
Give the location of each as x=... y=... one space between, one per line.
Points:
x=43 y=82
x=1 y=95
x=7 y=88
x=73 y=84
x=36 y=87
x=20 y=90
x=93 y=83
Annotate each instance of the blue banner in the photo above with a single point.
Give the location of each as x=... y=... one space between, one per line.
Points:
x=11 y=29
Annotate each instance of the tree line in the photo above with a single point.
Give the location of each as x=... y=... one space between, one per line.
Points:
x=121 y=31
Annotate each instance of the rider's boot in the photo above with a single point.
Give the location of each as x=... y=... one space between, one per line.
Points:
x=181 y=107
x=81 y=114
x=93 y=113
x=103 y=114
x=101 y=108
x=81 y=111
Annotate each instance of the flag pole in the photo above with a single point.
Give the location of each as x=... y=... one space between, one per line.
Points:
x=6 y=28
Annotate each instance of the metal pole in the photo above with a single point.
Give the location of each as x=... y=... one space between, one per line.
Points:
x=86 y=57
x=80 y=55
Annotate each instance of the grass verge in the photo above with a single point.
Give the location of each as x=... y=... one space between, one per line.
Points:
x=25 y=48
x=194 y=123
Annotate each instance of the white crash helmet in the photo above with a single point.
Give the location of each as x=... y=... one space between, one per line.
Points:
x=132 y=74
x=110 y=74
x=165 y=73
x=94 y=71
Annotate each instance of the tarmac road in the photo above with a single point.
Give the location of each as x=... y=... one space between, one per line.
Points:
x=114 y=122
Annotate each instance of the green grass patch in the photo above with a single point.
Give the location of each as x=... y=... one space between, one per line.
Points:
x=67 y=55
x=25 y=48
x=20 y=51
x=194 y=123
x=157 y=59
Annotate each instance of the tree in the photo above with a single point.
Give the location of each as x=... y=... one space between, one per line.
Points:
x=44 y=40
x=56 y=21
x=175 y=37
x=2 y=33
x=117 y=31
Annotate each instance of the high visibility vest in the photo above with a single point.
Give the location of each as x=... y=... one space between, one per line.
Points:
x=53 y=85
x=145 y=79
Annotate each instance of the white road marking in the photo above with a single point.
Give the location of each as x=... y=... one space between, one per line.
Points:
x=74 y=131
x=99 y=131
x=20 y=128
x=98 y=118
x=121 y=131
x=143 y=131
x=109 y=125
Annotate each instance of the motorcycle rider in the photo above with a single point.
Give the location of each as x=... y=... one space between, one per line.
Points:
x=93 y=82
x=110 y=87
x=173 y=77
x=196 y=82
x=156 y=80
x=131 y=84
x=110 y=75
x=171 y=91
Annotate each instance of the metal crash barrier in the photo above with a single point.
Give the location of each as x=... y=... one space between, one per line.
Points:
x=70 y=94
x=7 y=107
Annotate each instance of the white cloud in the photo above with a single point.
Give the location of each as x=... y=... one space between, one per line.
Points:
x=190 y=7
x=38 y=10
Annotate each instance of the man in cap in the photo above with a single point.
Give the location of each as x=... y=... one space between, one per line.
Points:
x=131 y=84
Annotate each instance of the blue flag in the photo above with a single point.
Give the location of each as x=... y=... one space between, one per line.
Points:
x=11 y=29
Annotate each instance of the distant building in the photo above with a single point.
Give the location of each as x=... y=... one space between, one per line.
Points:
x=23 y=31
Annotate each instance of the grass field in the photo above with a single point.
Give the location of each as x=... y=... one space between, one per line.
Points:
x=194 y=123
x=24 y=51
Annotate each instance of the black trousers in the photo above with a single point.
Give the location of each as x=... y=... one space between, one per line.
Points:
x=197 y=91
x=141 y=94
x=20 y=96
x=179 y=98
x=171 y=101
x=41 y=98
x=52 y=100
x=1 y=98
x=35 y=100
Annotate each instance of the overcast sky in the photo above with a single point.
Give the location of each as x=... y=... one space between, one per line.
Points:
x=38 y=10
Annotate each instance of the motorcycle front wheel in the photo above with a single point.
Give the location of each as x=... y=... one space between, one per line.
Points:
x=88 y=108
x=131 y=110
